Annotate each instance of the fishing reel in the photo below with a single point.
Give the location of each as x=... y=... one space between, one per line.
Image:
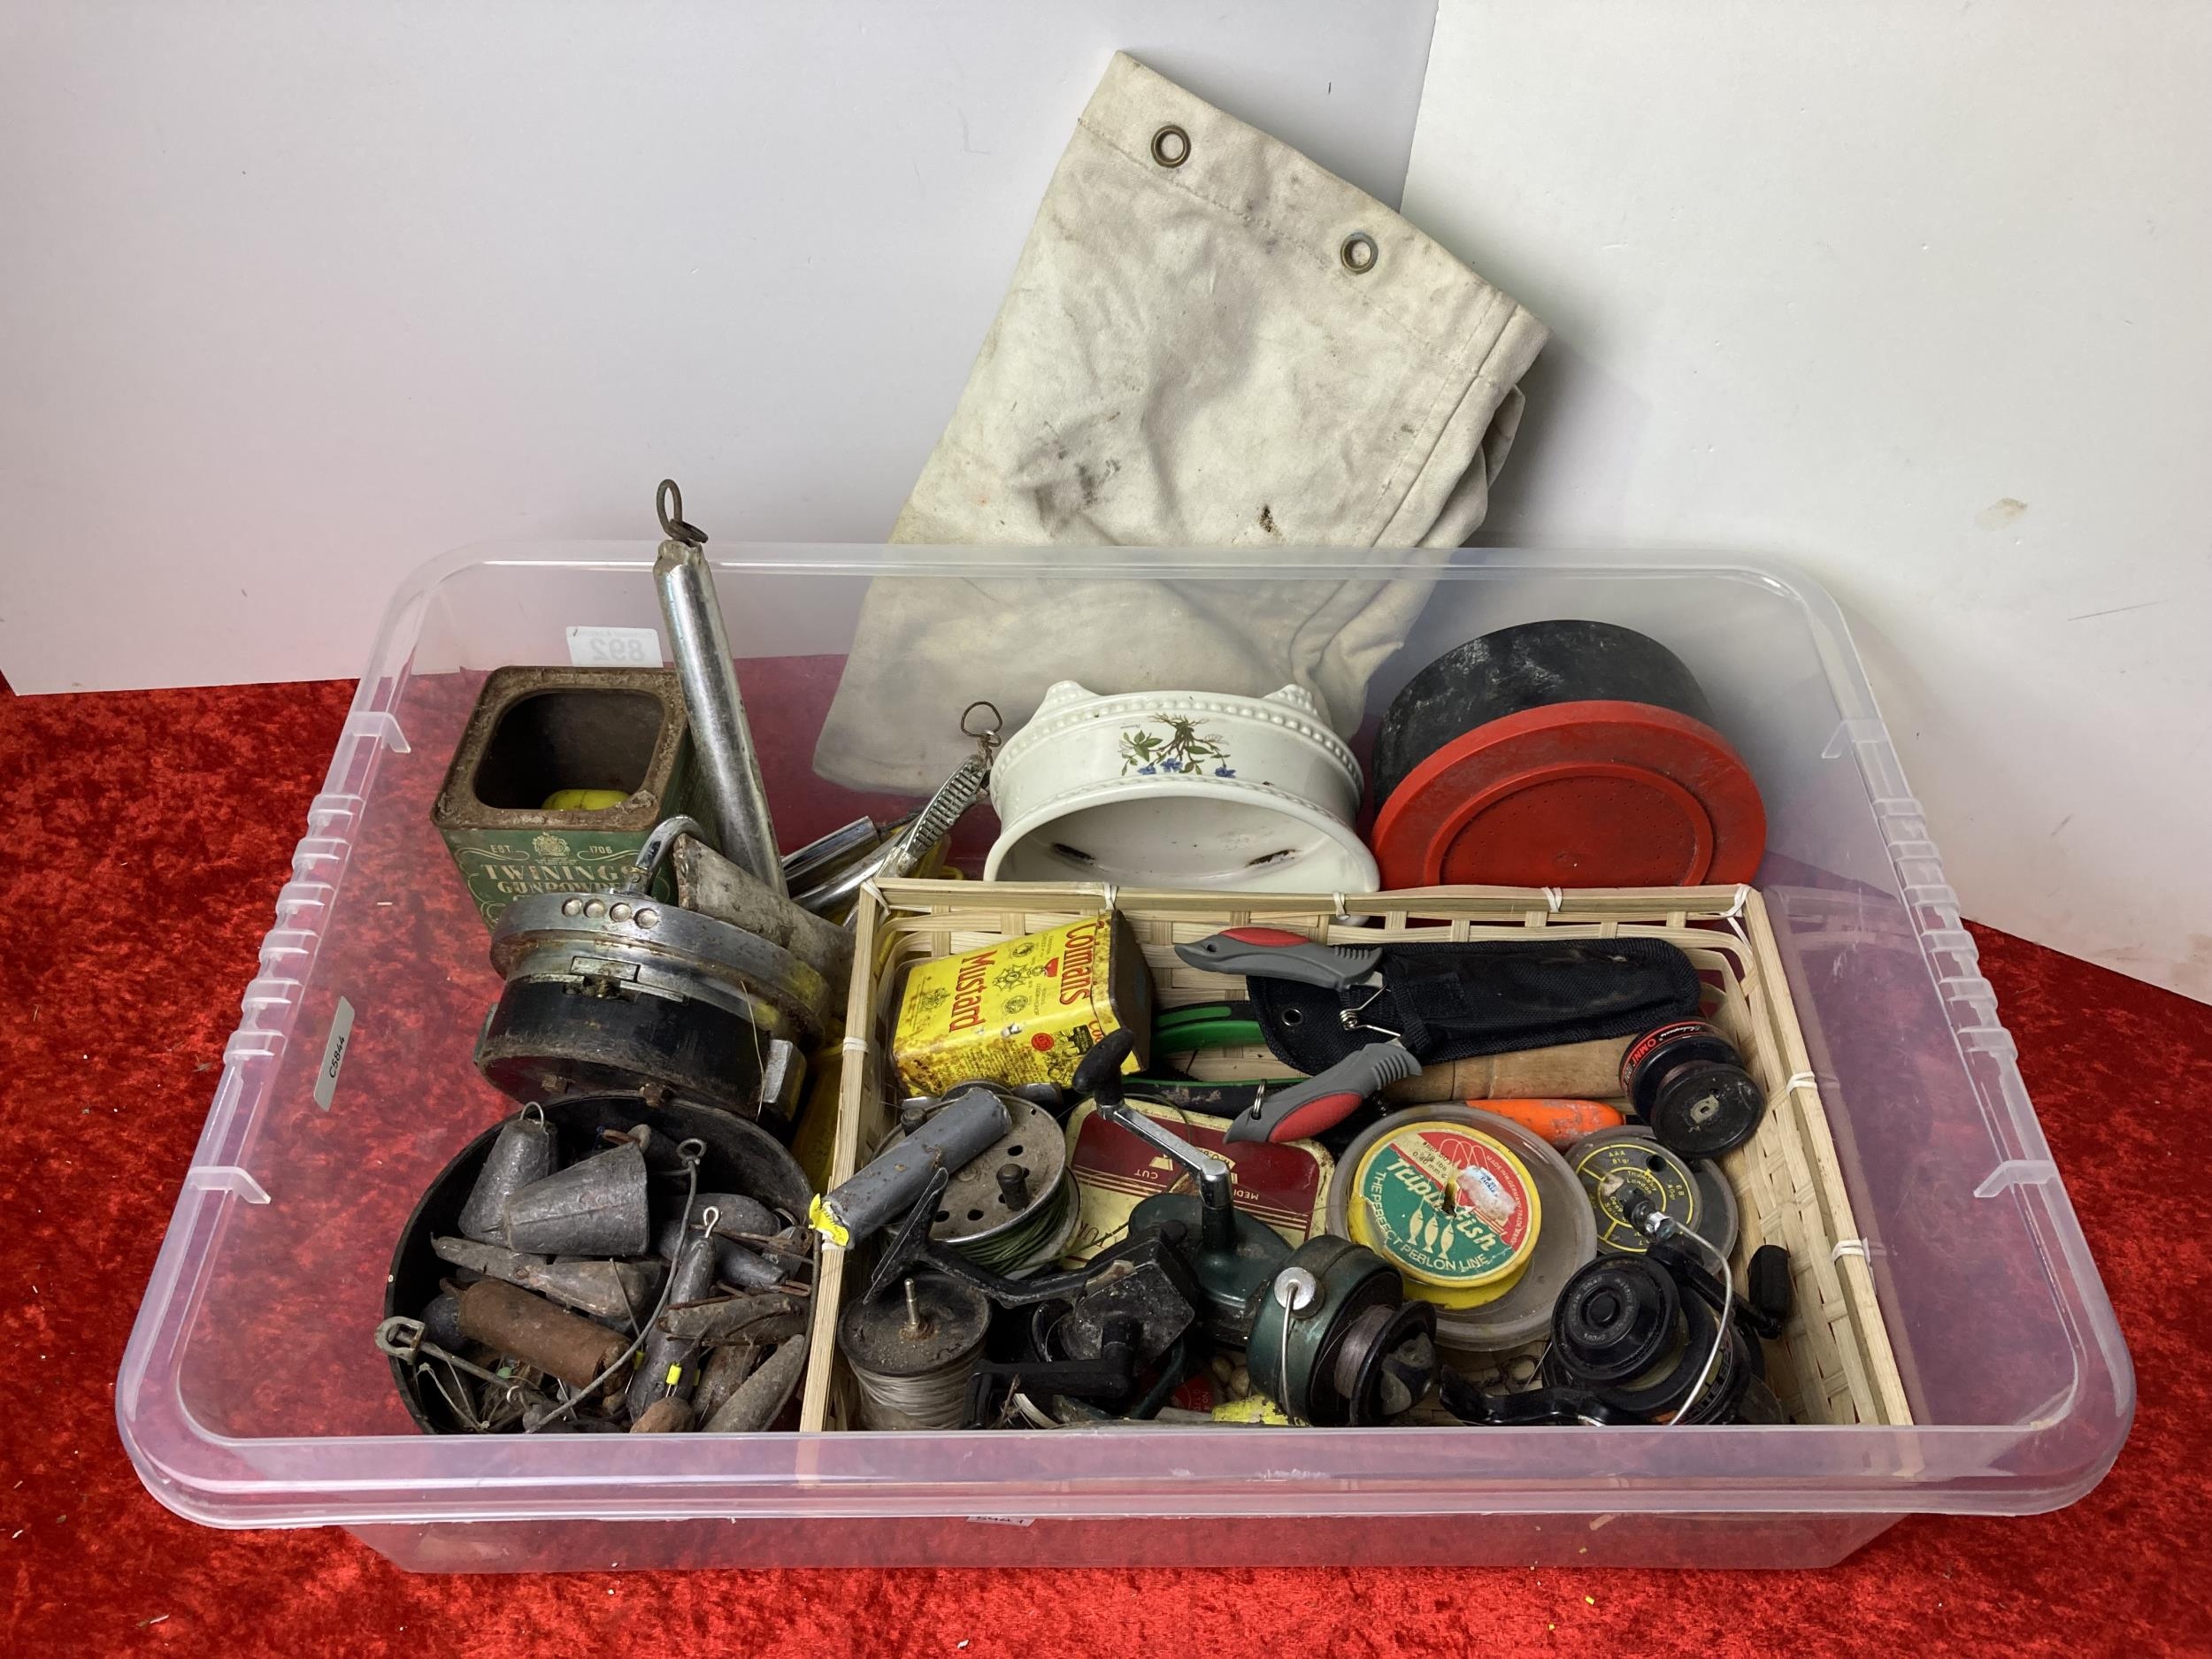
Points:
x=1326 y=1328
x=1091 y=1360
x=617 y=991
x=1119 y=1333
x=1649 y=1339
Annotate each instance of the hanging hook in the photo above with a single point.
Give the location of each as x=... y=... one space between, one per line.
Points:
x=985 y=732
x=668 y=503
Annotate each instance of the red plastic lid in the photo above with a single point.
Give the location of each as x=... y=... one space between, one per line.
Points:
x=1575 y=794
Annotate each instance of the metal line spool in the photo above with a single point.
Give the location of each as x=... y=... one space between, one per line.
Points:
x=1694 y=1193
x=910 y=1351
x=1012 y=1209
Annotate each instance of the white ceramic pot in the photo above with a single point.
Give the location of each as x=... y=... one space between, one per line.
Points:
x=1179 y=789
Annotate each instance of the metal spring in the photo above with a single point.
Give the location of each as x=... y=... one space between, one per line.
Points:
x=943 y=810
x=932 y=1399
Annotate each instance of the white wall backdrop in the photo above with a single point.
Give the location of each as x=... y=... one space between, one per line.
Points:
x=1920 y=297
x=293 y=297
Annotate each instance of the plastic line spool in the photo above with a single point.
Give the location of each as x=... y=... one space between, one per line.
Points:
x=1688 y=1082
x=1454 y=1210
x=1518 y=1307
x=1696 y=1193
x=1561 y=754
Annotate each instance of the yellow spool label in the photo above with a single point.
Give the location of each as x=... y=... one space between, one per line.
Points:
x=1458 y=1300
x=1449 y=1206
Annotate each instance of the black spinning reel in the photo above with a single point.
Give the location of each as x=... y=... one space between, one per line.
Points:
x=1649 y=1339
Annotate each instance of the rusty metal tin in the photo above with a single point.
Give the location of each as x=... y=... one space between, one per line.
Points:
x=536 y=730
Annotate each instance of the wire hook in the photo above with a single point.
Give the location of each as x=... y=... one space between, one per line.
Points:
x=668 y=506
x=988 y=733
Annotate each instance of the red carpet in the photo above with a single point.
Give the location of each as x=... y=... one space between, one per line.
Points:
x=146 y=835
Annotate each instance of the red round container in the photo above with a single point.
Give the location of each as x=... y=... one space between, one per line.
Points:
x=1558 y=789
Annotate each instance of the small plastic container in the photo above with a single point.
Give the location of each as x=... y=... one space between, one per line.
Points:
x=251 y=1395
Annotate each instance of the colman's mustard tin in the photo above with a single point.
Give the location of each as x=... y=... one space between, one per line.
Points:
x=1023 y=1010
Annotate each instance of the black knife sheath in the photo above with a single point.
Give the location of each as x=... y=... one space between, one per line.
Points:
x=1455 y=1001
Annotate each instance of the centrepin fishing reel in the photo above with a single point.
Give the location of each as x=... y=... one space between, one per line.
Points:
x=615 y=990
x=1655 y=1338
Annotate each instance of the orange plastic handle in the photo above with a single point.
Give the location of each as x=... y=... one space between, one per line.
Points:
x=1561 y=1122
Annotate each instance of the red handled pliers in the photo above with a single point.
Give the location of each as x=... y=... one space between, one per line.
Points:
x=1325 y=1099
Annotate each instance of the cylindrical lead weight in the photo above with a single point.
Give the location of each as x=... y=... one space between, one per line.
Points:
x=723 y=743
x=597 y=1206
x=521 y=1153
x=704 y=1321
x=741 y=1265
x=725 y=1368
x=1576 y=1071
x=737 y=1214
x=754 y=1403
x=531 y=1329
x=967 y=1127
x=670 y=1414
x=747 y=1269
x=672 y=1363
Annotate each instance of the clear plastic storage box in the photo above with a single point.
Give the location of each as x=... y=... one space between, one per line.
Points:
x=251 y=1395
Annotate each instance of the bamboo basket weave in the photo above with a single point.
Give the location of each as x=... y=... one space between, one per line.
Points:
x=1836 y=1364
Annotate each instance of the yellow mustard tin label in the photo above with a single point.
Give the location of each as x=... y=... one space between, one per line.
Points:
x=1023 y=1010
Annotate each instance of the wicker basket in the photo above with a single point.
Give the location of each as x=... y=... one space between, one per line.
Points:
x=1836 y=1365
